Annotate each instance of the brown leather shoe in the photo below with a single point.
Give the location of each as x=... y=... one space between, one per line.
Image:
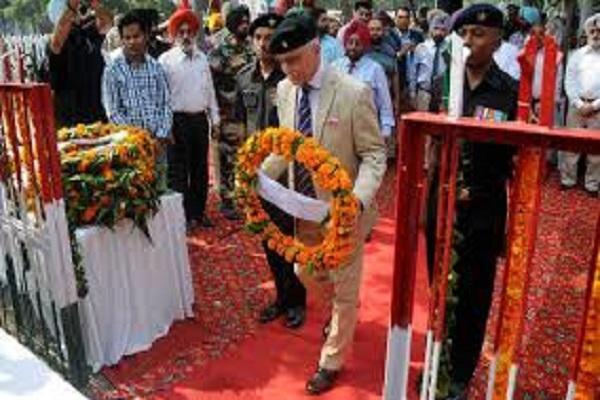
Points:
x=321 y=382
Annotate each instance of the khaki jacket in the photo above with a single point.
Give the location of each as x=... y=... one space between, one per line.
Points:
x=347 y=126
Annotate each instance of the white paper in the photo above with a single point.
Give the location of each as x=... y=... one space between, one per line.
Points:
x=293 y=203
x=460 y=53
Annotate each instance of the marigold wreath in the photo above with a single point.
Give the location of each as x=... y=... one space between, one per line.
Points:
x=108 y=174
x=327 y=172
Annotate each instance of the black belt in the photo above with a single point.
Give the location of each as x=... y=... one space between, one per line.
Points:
x=588 y=100
x=190 y=114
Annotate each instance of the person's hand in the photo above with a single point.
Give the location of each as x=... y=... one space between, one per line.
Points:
x=406 y=48
x=215 y=132
x=464 y=195
x=534 y=119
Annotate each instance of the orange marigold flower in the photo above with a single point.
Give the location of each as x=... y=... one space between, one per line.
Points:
x=89 y=213
x=328 y=173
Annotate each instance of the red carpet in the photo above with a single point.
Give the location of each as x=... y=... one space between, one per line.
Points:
x=223 y=354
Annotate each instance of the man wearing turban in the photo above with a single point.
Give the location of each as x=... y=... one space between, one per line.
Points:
x=226 y=60
x=528 y=17
x=357 y=41
x=431 y=62
x=194 y=110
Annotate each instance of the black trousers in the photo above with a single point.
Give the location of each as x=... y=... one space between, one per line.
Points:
x=431 y=220
x=482 y=223
x=187 y=160
x=290 y=291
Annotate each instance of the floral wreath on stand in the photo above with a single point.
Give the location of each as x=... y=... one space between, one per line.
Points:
x=327 y=172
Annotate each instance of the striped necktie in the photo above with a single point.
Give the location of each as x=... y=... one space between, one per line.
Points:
x=303 y=183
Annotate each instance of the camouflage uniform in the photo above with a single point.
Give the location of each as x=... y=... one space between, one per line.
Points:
x=255 y=103
x=226 y=61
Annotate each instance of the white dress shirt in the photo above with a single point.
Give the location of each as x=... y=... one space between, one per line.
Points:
x=372 y=74
x=582 y=80
x=506 y=58
x=538 y=74
x=191 y=83
x=424 y=59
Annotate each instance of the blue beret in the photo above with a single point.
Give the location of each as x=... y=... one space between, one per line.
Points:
x=479 y=14
x=270 y=20
x=293 y=32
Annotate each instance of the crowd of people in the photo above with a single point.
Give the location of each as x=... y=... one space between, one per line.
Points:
x=346 y=85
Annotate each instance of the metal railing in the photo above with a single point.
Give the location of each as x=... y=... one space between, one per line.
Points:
x=38 y=300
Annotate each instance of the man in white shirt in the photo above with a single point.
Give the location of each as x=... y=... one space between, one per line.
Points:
x=507 y=59
x=195 y=110
x=582 y=84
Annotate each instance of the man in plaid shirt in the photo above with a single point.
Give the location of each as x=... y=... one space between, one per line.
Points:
x=134 y=86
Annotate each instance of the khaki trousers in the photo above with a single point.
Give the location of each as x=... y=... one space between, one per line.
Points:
x=339 y=289
x=567 y=161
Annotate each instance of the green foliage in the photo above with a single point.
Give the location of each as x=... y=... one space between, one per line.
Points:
x=164 y=7
x=24 y=13
x=30 y=15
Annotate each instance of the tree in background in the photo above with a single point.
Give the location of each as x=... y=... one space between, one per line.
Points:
x=30 y=15
x=27 y=14
x=164 y=7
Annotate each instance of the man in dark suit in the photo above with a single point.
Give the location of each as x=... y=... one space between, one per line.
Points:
x=256 y=110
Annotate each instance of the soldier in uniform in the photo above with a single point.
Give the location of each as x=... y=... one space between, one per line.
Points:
x=234 y=53
x=256 y=110
x=482 y=198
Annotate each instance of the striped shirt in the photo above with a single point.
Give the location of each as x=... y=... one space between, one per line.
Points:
x=138 y=95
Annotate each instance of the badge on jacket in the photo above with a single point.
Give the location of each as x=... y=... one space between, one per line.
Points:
x=250 y=98
x=489 y=114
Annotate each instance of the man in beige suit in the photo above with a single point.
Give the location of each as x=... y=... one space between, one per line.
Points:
x=339 y=112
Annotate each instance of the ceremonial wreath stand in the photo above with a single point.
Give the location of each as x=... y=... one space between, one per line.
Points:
x=531 y=142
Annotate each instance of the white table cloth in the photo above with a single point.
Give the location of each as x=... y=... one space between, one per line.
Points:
x=137 y=289
x=23 y=376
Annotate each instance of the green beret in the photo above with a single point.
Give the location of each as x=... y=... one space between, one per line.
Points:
x=292 y=33
x=479 y=14
x=270 y=20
